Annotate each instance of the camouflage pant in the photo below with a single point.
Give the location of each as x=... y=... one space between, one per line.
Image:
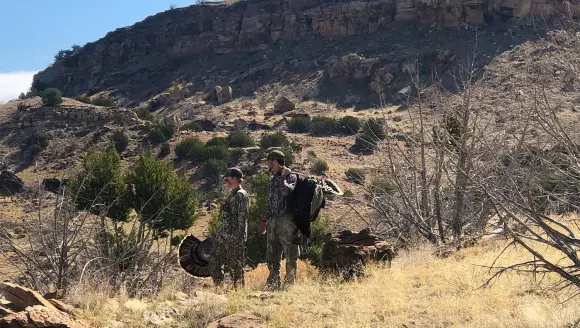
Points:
x=281 y=238
x=231 y=255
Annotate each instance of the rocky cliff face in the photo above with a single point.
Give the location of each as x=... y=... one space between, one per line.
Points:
x=255 y=25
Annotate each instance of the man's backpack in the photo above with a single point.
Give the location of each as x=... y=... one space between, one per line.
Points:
x=305 y=203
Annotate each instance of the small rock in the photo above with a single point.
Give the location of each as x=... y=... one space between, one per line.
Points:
x=135 y=305
x=115 y=324
x=238 y=321
x=405 y=91
x=260 y=296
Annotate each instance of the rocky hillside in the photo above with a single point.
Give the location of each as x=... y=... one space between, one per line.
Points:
x=250 y=45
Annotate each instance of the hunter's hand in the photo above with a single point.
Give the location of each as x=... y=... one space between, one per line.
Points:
x=263 y=226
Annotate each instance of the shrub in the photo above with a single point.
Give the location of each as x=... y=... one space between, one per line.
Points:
x=101 y=181
x=355 y=175
x=192 y=126
x=236 y=155
x=51 y=97
x=319 y=166
x=164 y=150
x=217 y=141
x=382 y=187
x=163 y=200
x=240 y=139
x=144 y=114
x=162 y=131
x=154 y=105
x=212 y=168
x=374 y=130
x=190 y=148
x=258 y=189
x=364 y=142
x=318 y=230
x=323 y=126
x=121 y=141
x=276 y=139
x=215 y=152
x=35 y=143
x=349 y=124
x=311 y=154
x=84 y=99
x=104 y=102
x=299 y=124
x=38 y=86
x=296 y=147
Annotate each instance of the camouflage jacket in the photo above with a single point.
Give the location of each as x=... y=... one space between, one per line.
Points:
x=278 y=193
x=235 y=216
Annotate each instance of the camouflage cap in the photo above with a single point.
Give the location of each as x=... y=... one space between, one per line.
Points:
x=275 y=155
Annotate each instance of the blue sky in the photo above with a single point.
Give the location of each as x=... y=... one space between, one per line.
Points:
x=33 y=31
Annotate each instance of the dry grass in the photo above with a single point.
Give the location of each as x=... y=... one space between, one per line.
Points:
x=418 y=291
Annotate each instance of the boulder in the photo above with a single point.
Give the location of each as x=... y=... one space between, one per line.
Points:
x=349 y=252
x=366 y=69
x=206 y=125
x=238 y=321
x=51 y=184
x=283 y=105
x=380 y=80
x=240 y=124
x=224 y=94
x=10 y=183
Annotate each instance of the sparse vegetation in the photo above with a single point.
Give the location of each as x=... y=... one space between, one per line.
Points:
x=51 y=97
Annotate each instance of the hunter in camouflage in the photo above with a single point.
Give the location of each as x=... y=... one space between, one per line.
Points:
x=230 y=241
x=279 y=225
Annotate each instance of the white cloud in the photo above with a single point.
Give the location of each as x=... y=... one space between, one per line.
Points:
x=13 y=83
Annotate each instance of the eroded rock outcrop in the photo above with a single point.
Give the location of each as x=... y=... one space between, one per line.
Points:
x=27 y=308
x=258 y=24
